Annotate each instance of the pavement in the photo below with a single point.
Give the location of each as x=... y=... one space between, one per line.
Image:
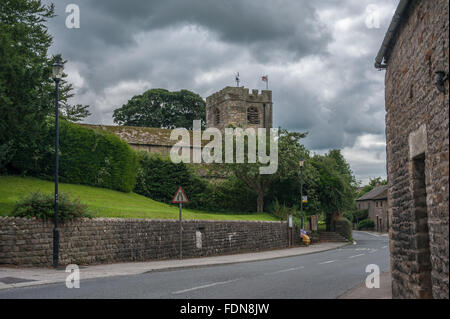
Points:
x=362 y=292
x=320 y=271
x=13 y=277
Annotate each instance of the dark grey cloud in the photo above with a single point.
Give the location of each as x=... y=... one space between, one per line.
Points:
x=318 y=54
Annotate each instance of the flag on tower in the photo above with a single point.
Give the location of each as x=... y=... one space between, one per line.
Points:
x=265 y=78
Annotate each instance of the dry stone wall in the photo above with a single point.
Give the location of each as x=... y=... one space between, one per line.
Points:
x=29 y=242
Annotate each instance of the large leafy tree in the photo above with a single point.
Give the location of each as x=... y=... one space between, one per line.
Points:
x=26 y=88
x=25 y=76
x=162 y=108
x=336 y=188
x=289 y=152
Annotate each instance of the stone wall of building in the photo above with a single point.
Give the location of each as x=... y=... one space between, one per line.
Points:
x=230 y=107
x=91 y=241
x=417 y=132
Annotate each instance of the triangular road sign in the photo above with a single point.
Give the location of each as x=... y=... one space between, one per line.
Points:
x=180 y=197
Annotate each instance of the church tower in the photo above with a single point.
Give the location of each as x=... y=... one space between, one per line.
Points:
x=237 y=107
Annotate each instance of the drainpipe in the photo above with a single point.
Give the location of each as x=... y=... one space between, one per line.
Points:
x=396 y=20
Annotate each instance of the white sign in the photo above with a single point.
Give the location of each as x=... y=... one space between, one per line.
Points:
x=290 y=221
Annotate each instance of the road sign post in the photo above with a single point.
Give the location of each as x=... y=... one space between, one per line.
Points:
x=180 y=198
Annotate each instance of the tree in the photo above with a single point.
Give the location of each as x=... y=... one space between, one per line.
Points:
x=162 y=108
x=26 y=87
x=69 y=112
x=289 y=149
x=336 y=190
x=25 y=77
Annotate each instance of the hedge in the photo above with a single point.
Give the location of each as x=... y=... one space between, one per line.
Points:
x=366 y=224
x=159 y=178
x=86 y=156
x=344 y=227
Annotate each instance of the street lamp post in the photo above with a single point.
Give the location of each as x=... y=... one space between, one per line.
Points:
x=58 y=68
x=301 y=191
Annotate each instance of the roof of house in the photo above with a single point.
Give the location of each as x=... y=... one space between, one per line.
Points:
x=379 y=192
x=391 y=34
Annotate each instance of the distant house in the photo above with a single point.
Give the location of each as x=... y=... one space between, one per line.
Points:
x=376 y=203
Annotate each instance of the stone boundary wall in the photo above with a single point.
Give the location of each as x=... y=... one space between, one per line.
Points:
x=29 y=242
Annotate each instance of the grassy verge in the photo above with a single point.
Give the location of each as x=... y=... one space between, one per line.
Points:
x=108 y=203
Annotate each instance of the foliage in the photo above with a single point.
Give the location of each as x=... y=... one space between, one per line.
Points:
x=345 y=227
x=159 y=178
x=41 y=206
x=25 y=83
x=87 y=156
x=366 y=224
x=229 y=195
x=372 y=184
x=26 y=88
x=162 y=108
x=360 y=215
x=337 y=189
x=281 y=211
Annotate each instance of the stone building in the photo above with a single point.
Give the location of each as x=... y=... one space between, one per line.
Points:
x=376 y=204
x=236 y=106
x=415 y=54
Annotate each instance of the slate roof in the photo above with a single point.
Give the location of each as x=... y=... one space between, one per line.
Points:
x=379 y=192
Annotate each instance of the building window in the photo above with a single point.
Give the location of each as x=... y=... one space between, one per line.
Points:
x=216 y=116
x=252 y=115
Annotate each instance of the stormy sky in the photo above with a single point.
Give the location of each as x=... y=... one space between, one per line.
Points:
x=319 y=57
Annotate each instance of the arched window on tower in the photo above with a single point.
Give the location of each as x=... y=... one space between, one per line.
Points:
x=252 y=115
x=216 y=116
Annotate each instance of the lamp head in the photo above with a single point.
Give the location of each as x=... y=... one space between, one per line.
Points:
x=58 y=68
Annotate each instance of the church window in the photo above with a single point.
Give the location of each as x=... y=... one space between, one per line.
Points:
x=252 y=115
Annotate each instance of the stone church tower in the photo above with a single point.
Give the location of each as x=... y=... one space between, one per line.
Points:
x=237 y=107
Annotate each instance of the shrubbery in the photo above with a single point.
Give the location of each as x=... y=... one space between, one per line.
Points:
x=87 y=156
x=344 y=227
x=158 y=178
x=41 y=206
x=366 y=224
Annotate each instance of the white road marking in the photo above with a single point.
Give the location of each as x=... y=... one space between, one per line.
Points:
x=357 y=255
x=370 y=234
x=284 y=270
x=327 y=262
x=384 y=247
x=204 y=286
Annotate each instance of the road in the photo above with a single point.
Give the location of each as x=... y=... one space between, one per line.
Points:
x=323 y=275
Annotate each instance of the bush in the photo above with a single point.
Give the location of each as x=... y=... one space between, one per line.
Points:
x=283 y=211
x=344 y=227
x=366 y=224
x=159 y=178
x=87 y=156
x=41 y=206
x=228 y=195
x=360 y=215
